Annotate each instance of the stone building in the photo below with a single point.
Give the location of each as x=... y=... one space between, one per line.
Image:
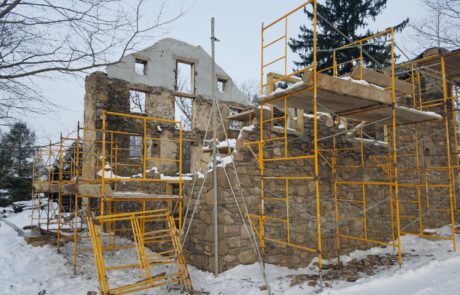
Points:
x=171 y=80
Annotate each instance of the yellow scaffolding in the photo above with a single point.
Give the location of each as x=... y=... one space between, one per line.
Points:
x=108 y=165
x=392 y=177
x=434 y=191
x=380 y=166
x=153 y=248
x=51 y=174
x=387 y=181
x=42 y=169
x=103 y=171
x=264 y=218
x=97 y=170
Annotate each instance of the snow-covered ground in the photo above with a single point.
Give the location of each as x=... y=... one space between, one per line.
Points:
x=430 y=268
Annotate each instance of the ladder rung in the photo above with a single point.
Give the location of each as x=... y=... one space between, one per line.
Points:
x=288 y=178
x=408 y=217
x=274 y=61
x=275 y=219
x=276 y=199
x=273 y=120
x=290 y=158
x=274 y=41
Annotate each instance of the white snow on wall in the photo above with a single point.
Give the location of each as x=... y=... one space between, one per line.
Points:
x=108 y=173
x=230 y=143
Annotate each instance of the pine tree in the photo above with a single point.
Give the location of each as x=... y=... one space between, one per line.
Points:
x=350 y=17
x=68 y=162
x=19 y=144
x=16 y=151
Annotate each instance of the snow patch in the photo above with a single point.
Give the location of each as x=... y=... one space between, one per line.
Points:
x=249 y=128
x=430 y=267
x=432 y=114
x=229 y=143
x=108 y=174
x=362 y=82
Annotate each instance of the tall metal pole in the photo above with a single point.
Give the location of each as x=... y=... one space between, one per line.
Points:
x=214 y=147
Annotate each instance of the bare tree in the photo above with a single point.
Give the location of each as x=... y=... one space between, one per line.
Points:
x=39 y=38
x=251 y=89
x=441 y=26
x=137 y=101
x=184 y=105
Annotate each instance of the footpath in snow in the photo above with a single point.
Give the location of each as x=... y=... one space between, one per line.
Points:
x=429 y=267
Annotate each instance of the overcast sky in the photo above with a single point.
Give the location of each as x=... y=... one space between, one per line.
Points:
x=237 y=26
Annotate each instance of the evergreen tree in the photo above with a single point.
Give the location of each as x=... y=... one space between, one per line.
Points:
x=5 y=160
x=350 y=17
x=68 y=162
x=16 y=155
x=19 y=144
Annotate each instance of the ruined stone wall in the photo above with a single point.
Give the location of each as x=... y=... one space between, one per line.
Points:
x=109 y=94
x=235 y=247
x=101 y=94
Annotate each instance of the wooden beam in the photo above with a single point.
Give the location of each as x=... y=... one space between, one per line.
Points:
x=382 y=80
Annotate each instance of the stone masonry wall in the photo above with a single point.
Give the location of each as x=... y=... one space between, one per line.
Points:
x=235 y=248
x=109 y=94
x=234 y=244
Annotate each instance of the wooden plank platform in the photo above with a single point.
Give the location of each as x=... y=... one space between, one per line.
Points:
x=46 y=186
x=347 y=99
x=69 y=188
x=403 y=115
x=382 y=80
x=41 y=186
x=139 y=196
x=246 y=116
x=92 y=189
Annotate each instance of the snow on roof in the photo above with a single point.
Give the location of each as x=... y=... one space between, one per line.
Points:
x=249 y=128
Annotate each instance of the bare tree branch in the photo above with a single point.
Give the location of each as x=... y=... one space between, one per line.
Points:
x=184 y=104
x=44 y=37
x=8 y=7
x=186 y=107
x=442 y=25
x=251 y=89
